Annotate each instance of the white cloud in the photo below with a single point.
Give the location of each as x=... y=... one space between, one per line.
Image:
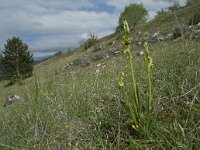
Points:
x=45 y=24
x=51 y=24
x=66 y=29
x=119 y=4
x=182 y=2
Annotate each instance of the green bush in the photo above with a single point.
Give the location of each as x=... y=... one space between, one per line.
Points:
x=90 y=41
x=133 y=13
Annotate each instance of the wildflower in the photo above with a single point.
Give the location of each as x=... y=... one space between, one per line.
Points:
x=134 y=126
x=67 y=126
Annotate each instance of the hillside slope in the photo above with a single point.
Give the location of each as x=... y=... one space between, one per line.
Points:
x=73 y=101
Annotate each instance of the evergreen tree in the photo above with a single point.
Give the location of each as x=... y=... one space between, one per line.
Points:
x=17 y=60
x=1 y=68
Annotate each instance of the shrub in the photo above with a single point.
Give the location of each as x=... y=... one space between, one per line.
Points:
x=90 y=41
x=133 y=13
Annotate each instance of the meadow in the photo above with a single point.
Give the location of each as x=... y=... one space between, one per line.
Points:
x=82 y=107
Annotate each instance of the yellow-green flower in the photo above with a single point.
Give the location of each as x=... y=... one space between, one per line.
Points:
x=134 y=126
x=67 y=126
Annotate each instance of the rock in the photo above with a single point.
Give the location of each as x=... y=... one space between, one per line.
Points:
x=190 y=27
x=83 y=61
x=98 y=65
x=146 y=33
x=96 y=57
x=97 y=71
x=67 y=66
x=197 y=32
x=116 y=52
x=139 y=43
x=161 y=38
x=155 y=35
x=197 y=26
x=169 y=35
x=10 y=99
x=141 y=53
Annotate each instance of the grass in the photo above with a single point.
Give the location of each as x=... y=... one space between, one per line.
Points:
x=165 y=22
x=81 y=107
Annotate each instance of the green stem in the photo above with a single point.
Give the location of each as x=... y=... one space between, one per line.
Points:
x=135 y=90
x=148 y=61
x=128 y=104
x=149 y=89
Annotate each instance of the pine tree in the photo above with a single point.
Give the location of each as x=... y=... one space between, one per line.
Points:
x=1 y=67
x=17 y=60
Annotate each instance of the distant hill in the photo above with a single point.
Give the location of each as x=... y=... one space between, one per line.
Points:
x=41 y=58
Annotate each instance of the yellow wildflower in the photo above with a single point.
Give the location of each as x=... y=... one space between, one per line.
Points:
x=67 y=126
x=134 y=126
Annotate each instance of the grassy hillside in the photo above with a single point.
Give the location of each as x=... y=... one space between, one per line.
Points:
x=73 y=101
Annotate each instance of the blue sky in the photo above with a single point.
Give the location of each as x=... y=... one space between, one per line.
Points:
x=50 y=25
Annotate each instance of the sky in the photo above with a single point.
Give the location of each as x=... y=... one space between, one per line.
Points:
x=48 y=26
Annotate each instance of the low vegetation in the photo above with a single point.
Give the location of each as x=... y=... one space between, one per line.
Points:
x=90 y=41
x=153 y=104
